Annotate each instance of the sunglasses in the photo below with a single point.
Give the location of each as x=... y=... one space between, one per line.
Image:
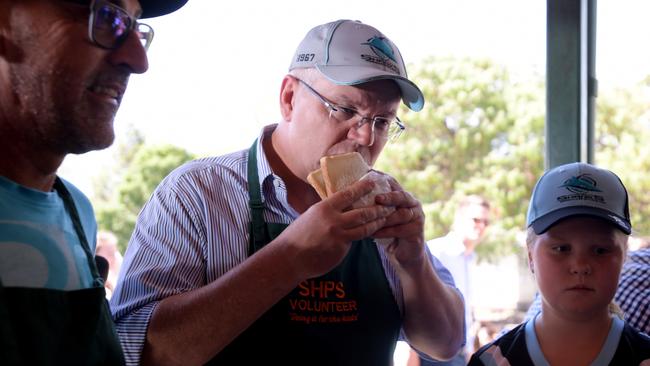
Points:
x=109 y=25
x=477 y=220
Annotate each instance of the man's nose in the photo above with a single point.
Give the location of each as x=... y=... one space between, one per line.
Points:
x=363 y=132
x=131 y=55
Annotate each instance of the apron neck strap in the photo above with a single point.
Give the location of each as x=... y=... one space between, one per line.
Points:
x=258 y=231
x=68 y=202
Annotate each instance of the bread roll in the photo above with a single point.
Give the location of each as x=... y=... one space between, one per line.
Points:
x=315 y=178
x=381 y=186
x=339 y=171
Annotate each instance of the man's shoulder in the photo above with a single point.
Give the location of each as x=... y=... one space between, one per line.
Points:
x=438 y=242
x=81 y=200
x=74 y=191
x=639 y=257
x=633 y=293
x=233 y=160
x=445 y=246
x=210 y=168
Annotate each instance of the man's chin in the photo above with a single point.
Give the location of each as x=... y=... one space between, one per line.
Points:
x=93 y=145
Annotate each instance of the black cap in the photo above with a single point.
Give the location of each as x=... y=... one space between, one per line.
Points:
x=156 y=8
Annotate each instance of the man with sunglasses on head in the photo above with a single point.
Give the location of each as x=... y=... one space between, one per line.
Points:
x=236 y=260
x=64 y=67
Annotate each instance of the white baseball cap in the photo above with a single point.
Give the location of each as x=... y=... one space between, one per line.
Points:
x=578 y=189
x=349 y=52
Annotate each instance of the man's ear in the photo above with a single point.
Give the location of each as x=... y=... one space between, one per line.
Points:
x=287 y=93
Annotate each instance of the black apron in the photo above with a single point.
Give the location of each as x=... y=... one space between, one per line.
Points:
x=348 y=316
x=41 y=326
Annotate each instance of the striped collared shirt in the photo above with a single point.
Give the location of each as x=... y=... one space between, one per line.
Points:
x=194 y=229
x=633 y=293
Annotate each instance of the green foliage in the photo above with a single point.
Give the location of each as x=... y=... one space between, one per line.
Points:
x=104 y=183
x=145 y=168
x=621 y=145
x=479 y=133
x=149 y=166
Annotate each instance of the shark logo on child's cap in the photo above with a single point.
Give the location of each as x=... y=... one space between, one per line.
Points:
x=581 y=184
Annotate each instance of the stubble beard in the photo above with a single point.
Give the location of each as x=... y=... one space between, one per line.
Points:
x=65 y=120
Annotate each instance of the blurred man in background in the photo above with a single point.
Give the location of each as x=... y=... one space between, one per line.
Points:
x=107 y=248
x=456 y=251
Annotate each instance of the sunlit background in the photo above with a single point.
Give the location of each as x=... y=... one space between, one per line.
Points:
x=216 y=67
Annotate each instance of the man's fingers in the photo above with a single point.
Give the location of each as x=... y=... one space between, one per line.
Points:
x=365 y=215
x=345 y=198
x=366 y=229
x=394 y=184
x=397 y=198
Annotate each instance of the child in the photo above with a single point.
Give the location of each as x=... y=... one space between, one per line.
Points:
x=578 y=226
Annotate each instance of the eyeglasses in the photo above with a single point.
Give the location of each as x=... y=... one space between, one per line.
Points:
x=109 y=25
x=385 y=128
x=478 y=220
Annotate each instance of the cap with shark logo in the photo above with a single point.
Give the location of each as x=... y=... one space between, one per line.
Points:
x=349 y=52
x=578 y=189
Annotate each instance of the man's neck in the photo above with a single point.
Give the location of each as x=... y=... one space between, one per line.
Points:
x=470 y=245
x=27 y=165
x=299 y=193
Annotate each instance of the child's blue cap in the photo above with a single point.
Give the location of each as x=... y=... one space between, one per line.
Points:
x=578 y=189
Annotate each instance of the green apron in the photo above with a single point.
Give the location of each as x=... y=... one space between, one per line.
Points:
x=41 y=326
x=348 y=316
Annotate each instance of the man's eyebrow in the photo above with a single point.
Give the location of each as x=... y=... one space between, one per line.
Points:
x=122 y=4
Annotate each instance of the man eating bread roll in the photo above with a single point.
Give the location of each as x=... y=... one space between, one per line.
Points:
x=239 y=260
